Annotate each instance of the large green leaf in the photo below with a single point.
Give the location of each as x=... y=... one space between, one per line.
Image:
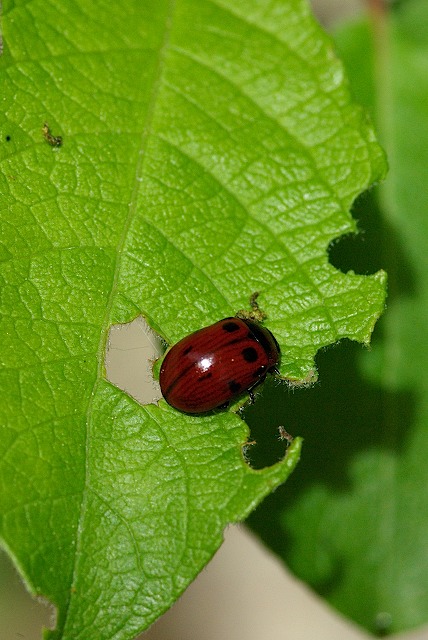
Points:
x=210 y=149
x=356 y=527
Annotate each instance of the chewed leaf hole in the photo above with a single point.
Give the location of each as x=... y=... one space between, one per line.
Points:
x=349 y=253
x=131 y=351
x=361 y=252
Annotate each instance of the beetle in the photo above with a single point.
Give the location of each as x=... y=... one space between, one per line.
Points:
x=214 y=365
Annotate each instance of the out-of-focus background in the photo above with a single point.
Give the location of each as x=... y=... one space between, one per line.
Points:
x=245 y=592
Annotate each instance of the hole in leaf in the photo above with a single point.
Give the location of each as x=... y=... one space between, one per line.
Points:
x=131 y=351
x=377 y=246
x=361 y=252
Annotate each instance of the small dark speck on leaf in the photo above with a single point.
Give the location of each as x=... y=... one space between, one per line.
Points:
x=7 y=138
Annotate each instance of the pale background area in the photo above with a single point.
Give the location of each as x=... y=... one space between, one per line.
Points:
x=245 y=592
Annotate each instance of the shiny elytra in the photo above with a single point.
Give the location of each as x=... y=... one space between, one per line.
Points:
x=215 y=365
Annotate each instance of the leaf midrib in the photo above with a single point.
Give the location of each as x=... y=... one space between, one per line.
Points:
x=119 y=252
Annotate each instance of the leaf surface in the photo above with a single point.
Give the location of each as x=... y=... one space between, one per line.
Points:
x=210 y=149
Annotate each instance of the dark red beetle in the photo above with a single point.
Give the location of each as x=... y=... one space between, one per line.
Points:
x=211 y=367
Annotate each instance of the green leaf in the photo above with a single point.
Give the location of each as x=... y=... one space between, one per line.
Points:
x=209 y=150
x=356 y=527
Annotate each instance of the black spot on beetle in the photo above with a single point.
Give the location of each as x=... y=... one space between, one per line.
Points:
x=249 y=354
x=234 y=386
x=187 y=350
x=230 y=327
x=205 y=377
